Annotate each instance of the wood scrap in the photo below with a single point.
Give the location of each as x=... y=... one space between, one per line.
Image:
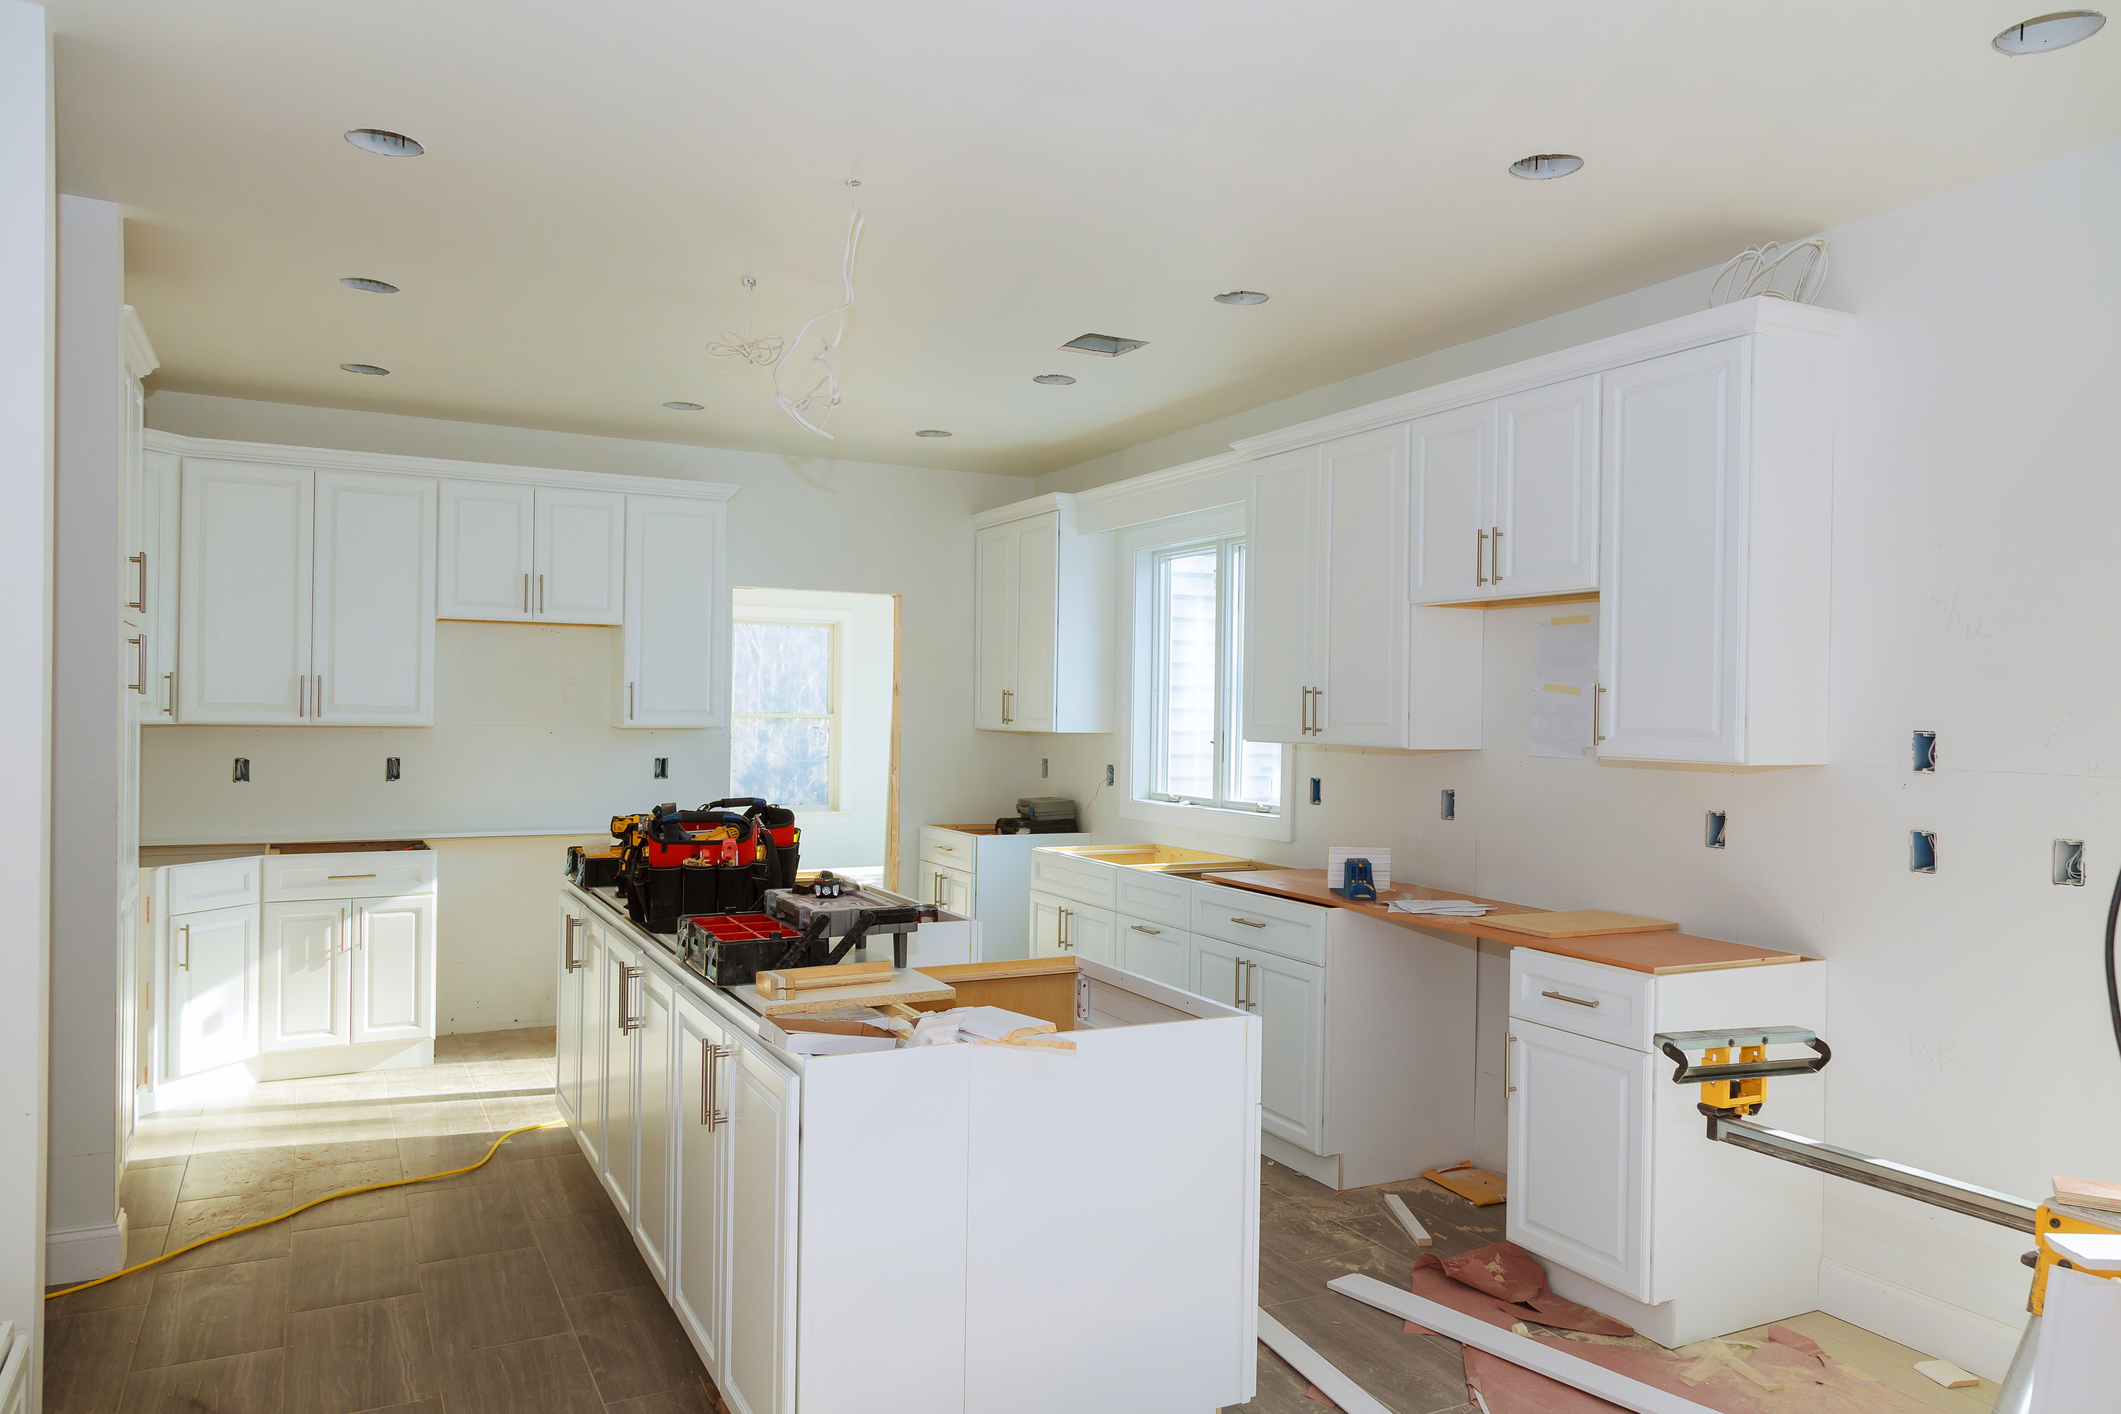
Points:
x=2088 y=1193
x=1507 y=1345
x=1406 y=1219
x=1316 y=1368
x=787 y=981
x=1945 y=1373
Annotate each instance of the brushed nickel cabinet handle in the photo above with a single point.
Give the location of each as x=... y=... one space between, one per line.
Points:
x=1248 y=923
x=541 y=594
x=1565 y=997
x=1495 y=557
x=139 y=601
x=139 y=646
x=184 y=932
x=1509 y=1043
x=1597 y=692
x=318 y=713
x=567 y=944
x=169 y=693
x=1480 y=550
x=629 y=702
x=1237 y=982
x=716 y=1115
x=1152 y=932
x=526 y=591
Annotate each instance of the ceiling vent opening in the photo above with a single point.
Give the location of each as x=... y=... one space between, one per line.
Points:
x=385 y=142
x=368 y=368
x=1103 y=345
x=1546 y=166
x=367 y=286
x=2057 y=31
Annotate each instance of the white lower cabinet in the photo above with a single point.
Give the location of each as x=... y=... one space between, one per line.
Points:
x=594 y=940
x=622 y=970
x=303 y=975
x=210 y=994
x=1289 y=999
x=1154 y=950
x=1061 y=927
x=567 y=1022
x=698 y=1178
x=654 y=1050
x=1579 y=1153
x=951 y=890
x=758 y=1349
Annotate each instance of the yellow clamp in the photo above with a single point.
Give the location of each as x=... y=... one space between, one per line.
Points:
x=1741 y=1096
x=2048 y=1220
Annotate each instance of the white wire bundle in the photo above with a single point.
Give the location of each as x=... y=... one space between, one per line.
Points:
x=763 y=351
x=825 y=393
x=1754 y=270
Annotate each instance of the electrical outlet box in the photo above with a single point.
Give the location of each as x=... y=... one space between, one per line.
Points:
x=390 y=768
x=242 y=768
x=1450 y=805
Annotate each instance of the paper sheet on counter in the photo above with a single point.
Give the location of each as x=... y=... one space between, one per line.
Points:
x=1564 y=679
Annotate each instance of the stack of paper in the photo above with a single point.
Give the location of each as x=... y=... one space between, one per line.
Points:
x=1438 y=907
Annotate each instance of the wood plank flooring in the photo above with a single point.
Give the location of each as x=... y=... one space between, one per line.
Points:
x=513 y=1289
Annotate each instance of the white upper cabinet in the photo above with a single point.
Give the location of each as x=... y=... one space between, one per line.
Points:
x=1281 y=560
x=372 y=660
x=1544 y=526
x=1714 y=614
x=1453 y=459
x=1045 y=605
x=1362 y=600
x=243 y=602
x=580 y=558
x=485 y=551
x=159 y=498
x=521 y=554
x=674 y=664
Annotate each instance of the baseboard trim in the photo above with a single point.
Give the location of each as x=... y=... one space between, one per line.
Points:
x=1320 y=1170
x=83 y=1253
x=1936 y=1328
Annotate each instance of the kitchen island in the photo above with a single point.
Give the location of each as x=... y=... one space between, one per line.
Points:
x=957 y=1227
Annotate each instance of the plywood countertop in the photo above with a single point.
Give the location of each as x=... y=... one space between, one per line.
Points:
x=1638 y=952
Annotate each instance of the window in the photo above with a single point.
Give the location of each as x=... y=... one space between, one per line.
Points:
x=1196 y=668
x=785 y=719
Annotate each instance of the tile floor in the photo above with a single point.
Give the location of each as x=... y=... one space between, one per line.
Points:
x=513 y=1288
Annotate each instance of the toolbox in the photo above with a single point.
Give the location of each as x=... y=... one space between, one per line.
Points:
x=732 y=949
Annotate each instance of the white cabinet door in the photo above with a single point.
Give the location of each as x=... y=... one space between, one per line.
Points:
x=393 y=968
x=698 y=1179
x=1546 y=491
x=1290 y=1000
x=374 y=649
x=758 y=1351
x=1281 y=540
x=1218 y=970
x=1671 y=625
x=243 y=607
x=950 y=890
x=1037 y=685
x=1361 y=579
x=623 y=966
x=994 y=552
x=210 y=1006
x=1579 y=1158
x=485 y=555
x=567 y=1030
x=159 y=494
x=656 y=1045
x=1452 y=456
x=1154 y=950
x=595 y=945
x=580 y=557
x=675 y=644
x=1046 y=922
x=303 y=975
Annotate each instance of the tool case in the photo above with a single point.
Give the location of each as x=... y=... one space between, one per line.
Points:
x=711 y=860
x=593 y=868
x=732 y=949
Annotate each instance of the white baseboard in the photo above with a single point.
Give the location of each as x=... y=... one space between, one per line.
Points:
x=83 y=1253
x=1966 y=1338
x=1320 y=1170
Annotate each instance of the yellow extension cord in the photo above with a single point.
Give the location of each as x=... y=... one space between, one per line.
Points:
x=267 y=1222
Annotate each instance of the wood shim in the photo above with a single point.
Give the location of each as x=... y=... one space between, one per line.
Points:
x=1518 y=1350
x=1407 y=1220
x=1314 y=1367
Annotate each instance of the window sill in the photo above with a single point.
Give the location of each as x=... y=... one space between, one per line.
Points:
x=1244 y=823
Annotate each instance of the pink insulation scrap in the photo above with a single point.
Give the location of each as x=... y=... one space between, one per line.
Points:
x=1503 y=1285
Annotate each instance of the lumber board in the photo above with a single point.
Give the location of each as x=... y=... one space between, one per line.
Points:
x=779 y=983
x=908 y=987
x=1407 y=1220
x=1314 y=1367
x=1533 y=1355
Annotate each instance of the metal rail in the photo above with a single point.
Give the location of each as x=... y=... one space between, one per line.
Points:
x=1924 y=1187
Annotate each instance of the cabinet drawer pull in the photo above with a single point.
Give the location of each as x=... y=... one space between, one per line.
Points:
x=141 y=602
x=711 y=1112
x=568 y=943
x=331 y=878
x=1153 y=932
x=1064 y=928
x=947 y=848
x=627 y=1022
x=1248 y=923
x=1565 y=997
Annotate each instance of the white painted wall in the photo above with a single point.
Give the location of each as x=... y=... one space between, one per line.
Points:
x=522 y=742
x=1977 y=500
x=27 y=203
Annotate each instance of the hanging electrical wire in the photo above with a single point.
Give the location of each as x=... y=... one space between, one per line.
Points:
x=760 y=351
x=1754 y=271
x=814 y=408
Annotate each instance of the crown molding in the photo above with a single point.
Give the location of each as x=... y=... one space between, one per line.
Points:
x=1022 y=510
x=332 y=459
x=1760 y=315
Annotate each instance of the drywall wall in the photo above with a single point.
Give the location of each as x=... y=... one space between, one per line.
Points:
x=1977 y=487
x=26 y=375
x=522 y=742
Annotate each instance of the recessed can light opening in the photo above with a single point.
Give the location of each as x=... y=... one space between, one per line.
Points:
x=1546 y=166
x=2057 y=31
x=1241 y=297
x=1103 y=345
x=368 y=368
x=931 y=432
x=1054 y=380
x=685 y=407
x=383 y=141
x=368 y=286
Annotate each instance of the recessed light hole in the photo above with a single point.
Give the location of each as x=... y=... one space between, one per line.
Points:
x=1054 y=380
x=685 y=407
x=931 y=432
x=384 y=142
x=2049 y=32
x=368 y=368
x=367 y=286
x=1546 y=166
x=1241 y=297
x=1103 y=345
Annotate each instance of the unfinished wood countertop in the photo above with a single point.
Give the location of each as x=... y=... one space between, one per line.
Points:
x=1658 y=953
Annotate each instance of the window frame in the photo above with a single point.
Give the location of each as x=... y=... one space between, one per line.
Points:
x=1140 y=548
x=835 y=637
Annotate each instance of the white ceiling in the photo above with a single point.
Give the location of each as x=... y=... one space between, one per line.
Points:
x=599 y=177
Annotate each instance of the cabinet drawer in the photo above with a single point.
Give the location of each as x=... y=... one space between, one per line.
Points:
x=376 y=874
x=1606 y=1003
x=950 y=847
x=1279 y=926
x=216 y=883
x=1158 y=898
x=1083 y=880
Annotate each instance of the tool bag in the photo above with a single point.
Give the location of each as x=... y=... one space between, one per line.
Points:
x=711 y=860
